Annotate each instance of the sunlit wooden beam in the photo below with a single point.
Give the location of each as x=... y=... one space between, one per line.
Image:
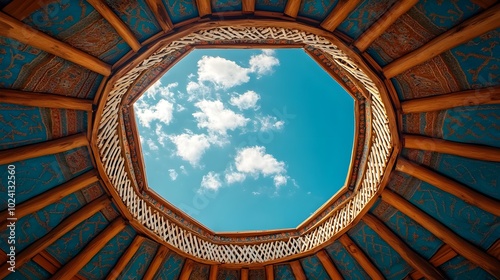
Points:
x=269 y=272
x=462 y=33
x=329 y=265
x=339 y=13
x=51 y=264
x=473 y=151
x=489 y=95
x=125 y=258
x=248 y=6
x=381 y=25
x=186 y=269
x=45 y=100
x=65 y=226
x=17 y=30
x=91 y=249
x=44 y=148
x=156 y=263
x=297 y=270
x=360 y=257
x=214 y=269
x=204 y=7
x=407 y=253
x=448 y=185
x=457 y=243
x=21 y=9
x=292 y=8
x=121 y=28
x=160 y=12
x=444 y=254
x=244 y=274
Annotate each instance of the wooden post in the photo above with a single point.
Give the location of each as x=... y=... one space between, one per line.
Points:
x=339 y=13
x=297 y=270
x=244 y=274
x=444 y=254
x=407 y=253
x=15 y=29
x=292 y=8
x=125 y=258
x=329 y=265
x=457 y=243
x=92 y=248
x=44 y=100
x=248 y=6
x=360 y=257
x=269 y=272
x=462 y=33
x=65 y=226
x=44 y=148
x=204 y=7
x=474 y=97
x=214 y=269
x=160 y=12
x=381 y=25
x=448 y=185
x=473 y=151
x=186 y=269
x=156 y=263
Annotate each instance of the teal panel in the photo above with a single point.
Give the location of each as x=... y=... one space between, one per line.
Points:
x=139 y=263
x=137 y=16
x=316 y=9
x=365 y=14
x=200 y=272
x=181 y=10
x=171 y=267
x=226 y=5
x=37 y=175
x=256 y=274
x=104 y=261
x=443 y=15
x=412 y=233
x=270 y=5
x=29 y=271
x=345 y=263
x=14 y=56
x=70 y=244
x=461 y=269
x=313 y=268
x=80 y=25
x=283 y=272
x=389 y=262
x=228 y=274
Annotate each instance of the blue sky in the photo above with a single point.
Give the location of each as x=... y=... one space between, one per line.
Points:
x=246 y=139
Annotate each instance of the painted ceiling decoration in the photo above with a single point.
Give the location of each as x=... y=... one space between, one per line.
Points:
x=423 y=196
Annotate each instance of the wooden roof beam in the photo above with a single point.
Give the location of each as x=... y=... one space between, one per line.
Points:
x=125 y=258
x=329 y=266
x=407 y=253
x=214 y=269
x=462 y=33
x=21 y=9
x=156 y=263
x=339 y=14
x=448 y=185
x=160 y=12
x=187 y=268
x=474 y=97
x=248 y=6
x=11 y=27
x=91 y=249
x=457 y=243
x=292 y=8
x=204 y=7
x=269 y=272
x=115 y=21
x=297 y=270
x=360 y=257
x=444 y=254
x=44 y=148
x=381 y=25
x=45 y=100
x=65 y=226
x=244 y=274
x=472 y=151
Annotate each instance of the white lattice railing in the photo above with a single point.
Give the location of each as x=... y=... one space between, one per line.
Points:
x=175 y=235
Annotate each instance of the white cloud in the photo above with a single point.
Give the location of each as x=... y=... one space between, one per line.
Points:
x=280 y=180
x=263 y=63
x=223 y=73
x=151 y=144
x=234 y=177
x=197 y=90
x=190 y=147
x=211 y=181
x=164 y=91
x=183 y=169
x=270 y=123
x=180 y=108
x=216 y=118
x=246 y=100
x=256 y=193
x=161 y=111
x=254 y=160
x=173 y=174
x=161 y=136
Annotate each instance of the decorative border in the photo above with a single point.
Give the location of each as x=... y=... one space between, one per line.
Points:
x=111 y=156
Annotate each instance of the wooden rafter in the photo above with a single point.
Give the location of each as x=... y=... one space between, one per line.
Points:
x=292 y=8
x=329 y=265
x=204 y=7
x=214 y=269
x=156 y=263
x=11 y=28
x=297 y=270
x=407 y=253
x=338 y=14
x=45 y=100
x=65 y=226
x=160 y=12
x=91 y=249
x=44 y=148
x=187 y=268
x=51 y=264
x=381 y=25
x=53 y=195
x=460 y=245
x=444 y=254
x=485 y=3
x=121 y=28
x=125 y=258
x=21 y=9
x=244 y=274
x=360 y=257
x=489 y=95
x=448 y=185
x=462 y=33
x=269 y=272
x=473 y=151
x=248 y=6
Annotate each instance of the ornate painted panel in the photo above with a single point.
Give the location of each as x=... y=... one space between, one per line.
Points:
x=171 y=267
x=257 y=274
x=80 y=25
x=181 y=10
x=139 y=263
x=461 y=268
x=270 y=5
x=104 y=261
x=29 y=271
x=389 y=262
x=228 y=274
x=225 y=5
x=283 y=272
x=345 y=263
x=316 y=9
x=313 y=268
x=200 y=272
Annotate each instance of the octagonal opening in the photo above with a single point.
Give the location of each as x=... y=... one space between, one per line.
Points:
x=246 y=139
